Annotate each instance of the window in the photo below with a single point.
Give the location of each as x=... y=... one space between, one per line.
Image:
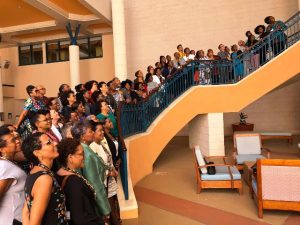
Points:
x=57 y=51
x=30 y=54
x=90 y=47
x=96 y=47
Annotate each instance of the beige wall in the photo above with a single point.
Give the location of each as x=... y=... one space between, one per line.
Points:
x=276 y=111
x=156 y=27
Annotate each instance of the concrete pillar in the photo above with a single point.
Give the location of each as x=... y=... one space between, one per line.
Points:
x=119 y=35
x=207 y=131
x=1 y=97
x=74 y=65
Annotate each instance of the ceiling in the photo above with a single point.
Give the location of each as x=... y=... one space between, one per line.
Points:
x=25 y=21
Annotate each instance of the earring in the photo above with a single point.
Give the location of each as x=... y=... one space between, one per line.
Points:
x=4 y=155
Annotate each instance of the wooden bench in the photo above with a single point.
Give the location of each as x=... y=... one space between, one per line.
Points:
x=277 y=135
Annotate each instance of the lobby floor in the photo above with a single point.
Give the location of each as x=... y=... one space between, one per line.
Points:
x=168 y=195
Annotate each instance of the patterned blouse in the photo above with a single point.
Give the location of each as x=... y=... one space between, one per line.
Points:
x=55 y=212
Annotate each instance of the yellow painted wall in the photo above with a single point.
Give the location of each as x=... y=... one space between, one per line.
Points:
x=146 y=147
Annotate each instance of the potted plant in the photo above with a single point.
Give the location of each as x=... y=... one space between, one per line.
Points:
x=242 y=125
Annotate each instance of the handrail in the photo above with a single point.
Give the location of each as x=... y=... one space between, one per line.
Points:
x=137 y=118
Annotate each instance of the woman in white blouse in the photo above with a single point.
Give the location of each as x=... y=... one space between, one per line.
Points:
x=12 y=180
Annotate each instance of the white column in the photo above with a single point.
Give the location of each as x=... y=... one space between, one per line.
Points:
x=119 y=35
x=74 y=65
x=1 y=98
x=207 y=131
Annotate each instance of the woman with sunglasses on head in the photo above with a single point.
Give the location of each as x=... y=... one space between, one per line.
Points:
x=80 y=194
x=12 y=179
x=31 y=105
x=44 y=199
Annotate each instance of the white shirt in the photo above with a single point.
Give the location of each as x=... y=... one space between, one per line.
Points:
x=56 y=132
x=156 y=79
x=190 y=57
x=13 y=200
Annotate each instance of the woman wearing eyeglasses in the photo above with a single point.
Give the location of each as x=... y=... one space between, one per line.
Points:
x=80 y=193
x=31 y=105
x=44 y=199
x=12 y=180
x=42 y=122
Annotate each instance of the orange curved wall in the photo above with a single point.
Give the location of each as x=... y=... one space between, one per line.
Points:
x=144 y=148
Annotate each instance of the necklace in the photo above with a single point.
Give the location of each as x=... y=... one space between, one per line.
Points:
x=84 y=180
x=6 y=159
x=47 y=169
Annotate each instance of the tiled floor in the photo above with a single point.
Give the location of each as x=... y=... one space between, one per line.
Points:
x=168 y=195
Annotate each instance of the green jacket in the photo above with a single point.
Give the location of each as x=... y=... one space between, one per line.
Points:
x=94 y=171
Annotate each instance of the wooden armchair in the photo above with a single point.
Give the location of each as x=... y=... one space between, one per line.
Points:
x=247 y=147
x=227 y=175
x=276 y=185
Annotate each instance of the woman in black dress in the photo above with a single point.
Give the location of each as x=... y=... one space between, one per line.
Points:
x=80 y=194
x=43 y=196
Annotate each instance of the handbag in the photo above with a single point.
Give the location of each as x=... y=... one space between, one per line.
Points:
x=211 y=170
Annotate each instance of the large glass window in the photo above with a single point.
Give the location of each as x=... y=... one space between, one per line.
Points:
x=57 y=51
x=96 y=47
x=90 y=47
x=52 y=52
x=83 y=48
x=30 y=54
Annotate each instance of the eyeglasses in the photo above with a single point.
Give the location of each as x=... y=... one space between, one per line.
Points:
x=46 y=120
x=49 y=142
x=41 y=89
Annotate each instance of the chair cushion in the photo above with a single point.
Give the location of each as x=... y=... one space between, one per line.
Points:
x=248 y=144
x=240 y=159
x=254 y=186
x=200 y=159
x=223 y=174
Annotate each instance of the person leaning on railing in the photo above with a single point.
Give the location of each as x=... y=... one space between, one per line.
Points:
x=278 y=28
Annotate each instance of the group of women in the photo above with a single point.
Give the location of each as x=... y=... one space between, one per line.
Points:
x=58 y=171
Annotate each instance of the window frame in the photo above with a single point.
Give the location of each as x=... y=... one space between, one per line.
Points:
x=30 y=54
